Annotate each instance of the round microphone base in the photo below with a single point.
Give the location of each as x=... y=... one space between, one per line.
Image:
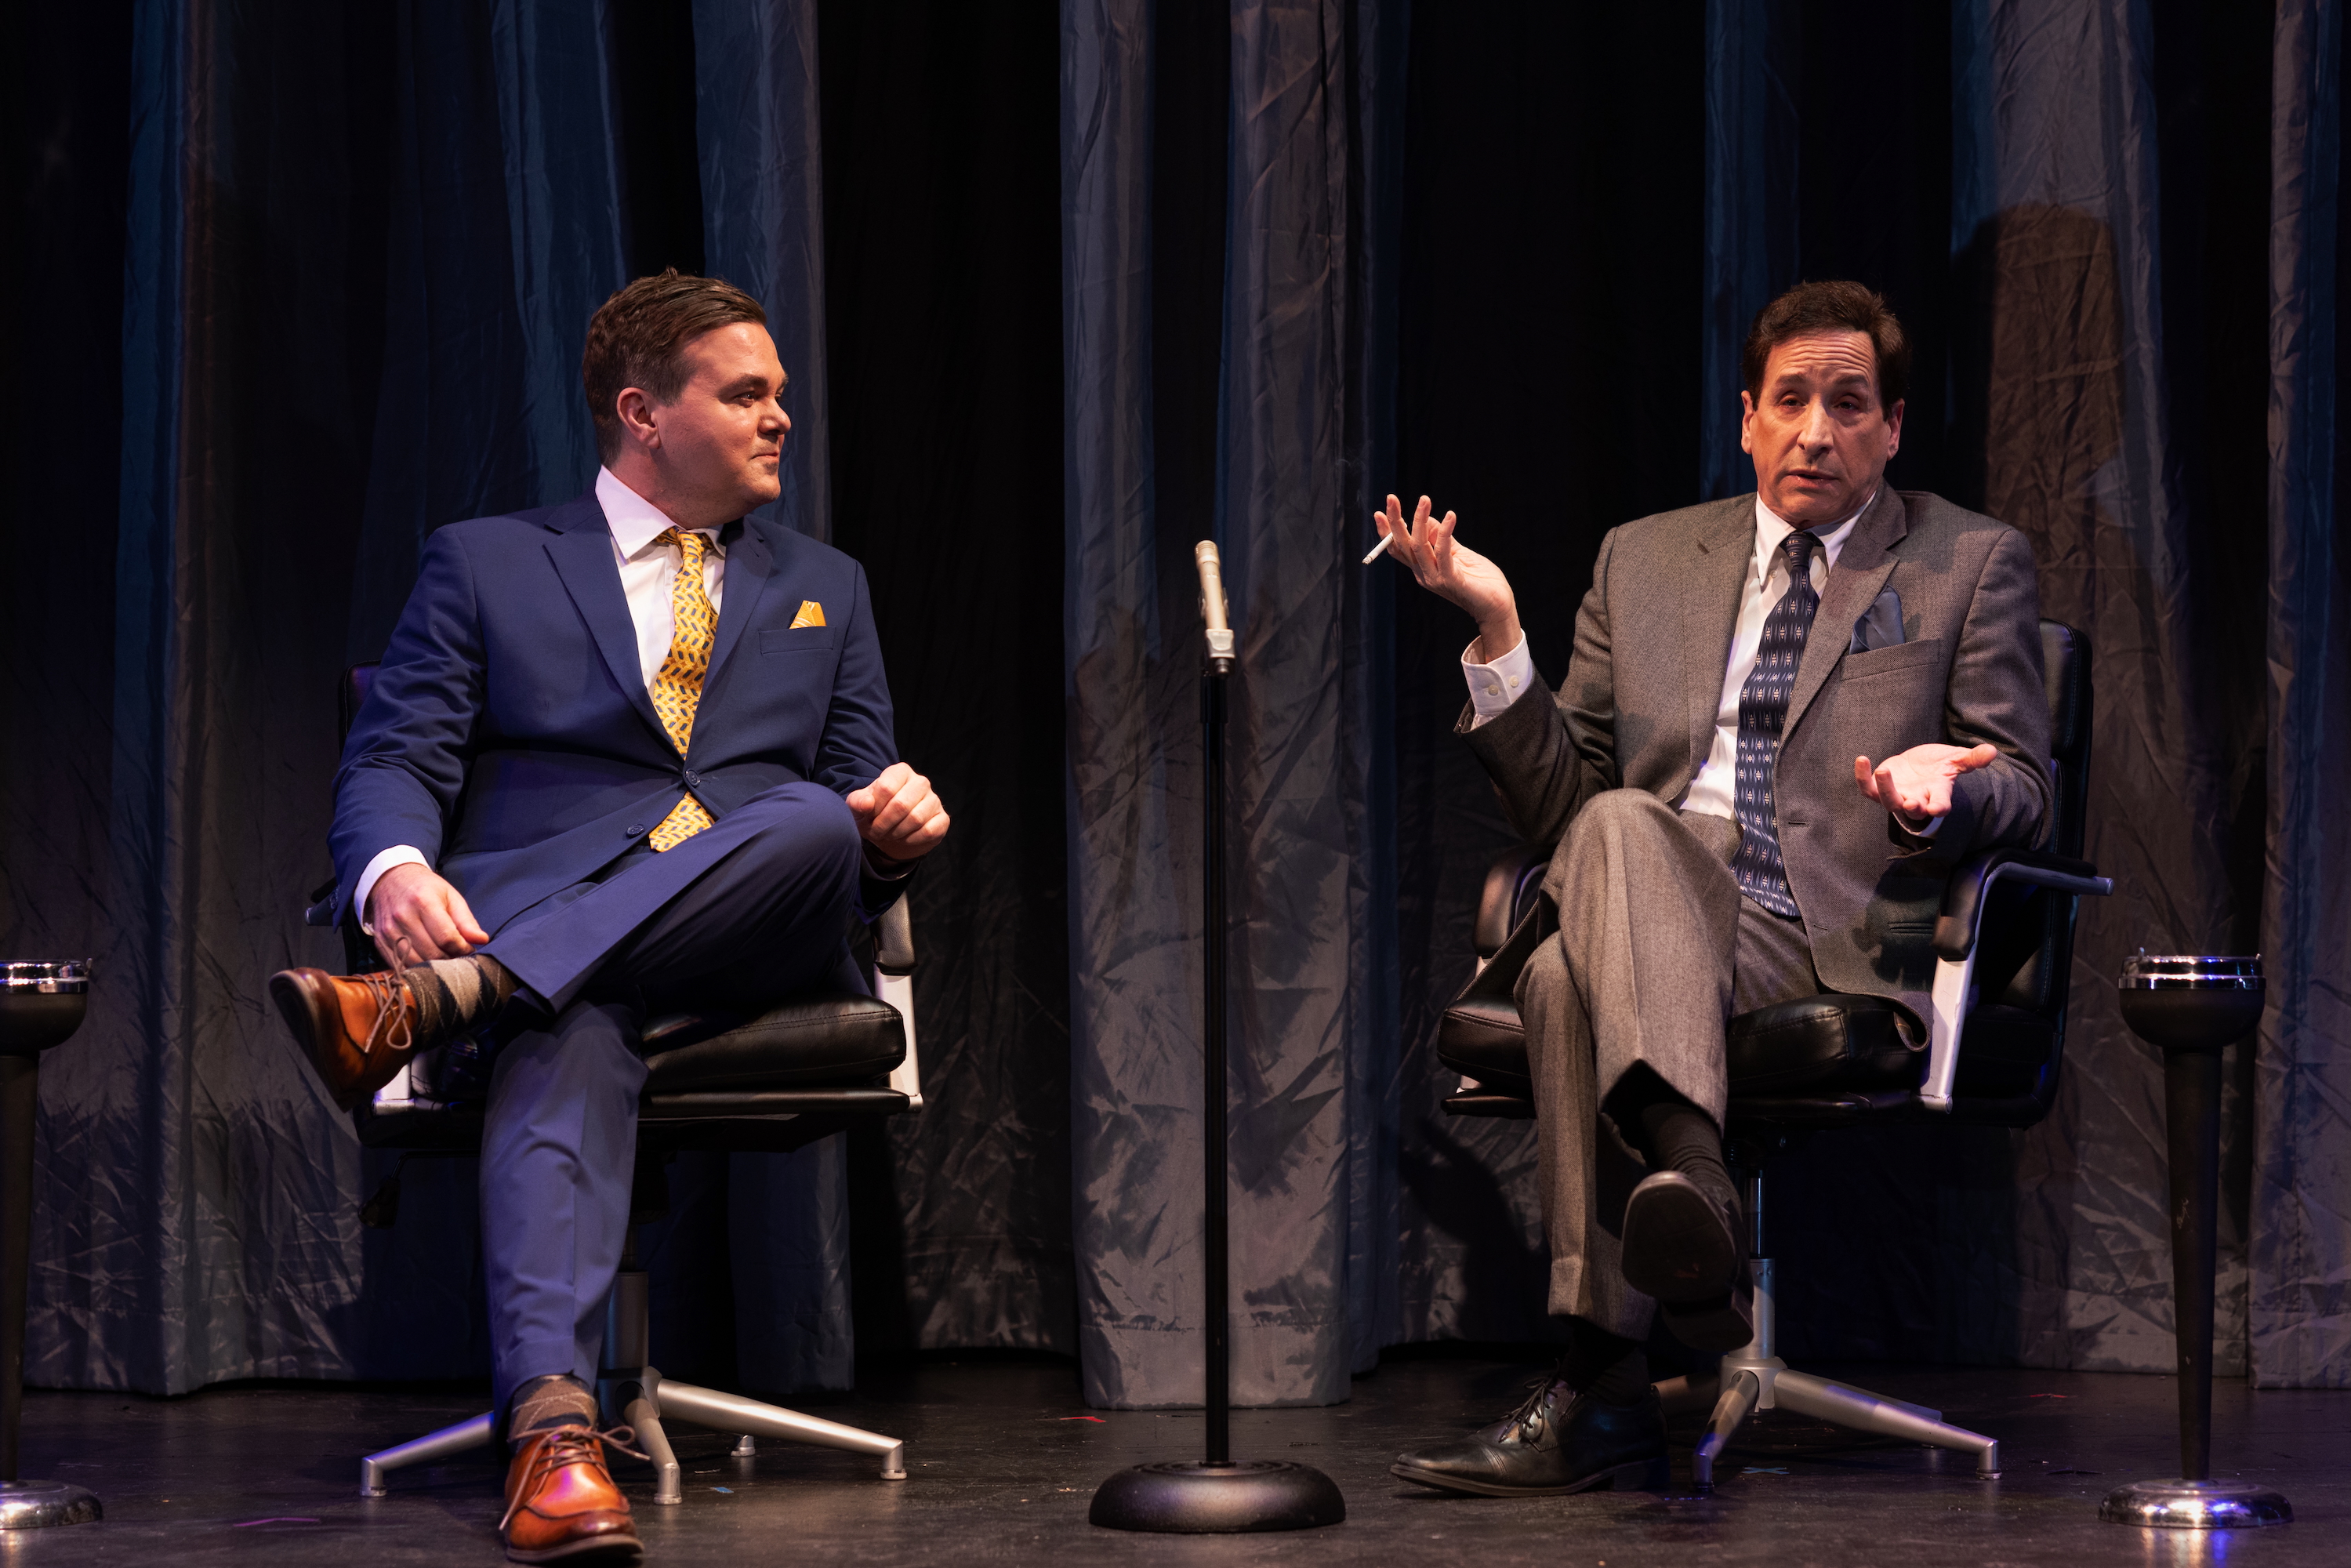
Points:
x=36 y=1505
x=2195 y=1505
x=1195 y=1499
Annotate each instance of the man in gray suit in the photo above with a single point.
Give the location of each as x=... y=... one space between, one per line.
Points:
x=1786 y=713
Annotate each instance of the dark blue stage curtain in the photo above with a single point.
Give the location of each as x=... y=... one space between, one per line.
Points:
x=1751 y=233
x=756 y=119
x=1301 y=412
x=2300 y=1316
x=388 y=234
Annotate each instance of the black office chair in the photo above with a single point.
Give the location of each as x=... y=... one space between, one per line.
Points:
x=2004 y=947
x=809 y=1066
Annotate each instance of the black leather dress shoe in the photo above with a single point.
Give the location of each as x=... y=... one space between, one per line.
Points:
x=1558 y=1441
x=1682 y=1247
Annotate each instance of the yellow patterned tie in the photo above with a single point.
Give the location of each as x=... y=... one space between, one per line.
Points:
x=677 y=689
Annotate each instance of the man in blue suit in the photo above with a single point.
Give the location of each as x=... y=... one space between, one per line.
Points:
x=619 y=750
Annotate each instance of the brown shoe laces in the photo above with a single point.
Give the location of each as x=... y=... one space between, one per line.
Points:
x=570 y=1446
x=394 y=1028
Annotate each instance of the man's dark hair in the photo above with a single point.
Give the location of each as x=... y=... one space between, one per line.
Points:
x=638 y=339
x=1834 y=307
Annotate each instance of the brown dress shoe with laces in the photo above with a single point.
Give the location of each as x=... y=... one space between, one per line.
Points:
x=359 y=1030
x=561 y=1504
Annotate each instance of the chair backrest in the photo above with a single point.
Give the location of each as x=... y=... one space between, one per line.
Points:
x=2066 y=660
x=357 y=681
x=2024 y=958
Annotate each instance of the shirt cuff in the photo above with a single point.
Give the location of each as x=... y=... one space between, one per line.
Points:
x=1918 y=830
x=881 y=868
x=1494 y=687
x=399 y=854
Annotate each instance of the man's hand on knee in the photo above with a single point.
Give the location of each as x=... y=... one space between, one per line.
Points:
x=898 y=815
x=418 y=918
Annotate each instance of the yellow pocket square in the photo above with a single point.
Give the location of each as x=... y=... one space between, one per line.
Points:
x=811 y=614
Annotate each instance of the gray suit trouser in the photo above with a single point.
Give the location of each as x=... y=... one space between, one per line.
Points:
x=1657 y=951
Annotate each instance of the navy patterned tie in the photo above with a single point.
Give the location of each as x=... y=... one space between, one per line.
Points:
x=1762 y=709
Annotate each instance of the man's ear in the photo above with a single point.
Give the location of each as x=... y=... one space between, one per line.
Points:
x=637 y=416
x=1746 y=421
x=1894 y=428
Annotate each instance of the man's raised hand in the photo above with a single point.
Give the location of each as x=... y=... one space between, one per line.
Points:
x=1454 y=572
x=1917 y=785
x=899 y=815
x=418 y=918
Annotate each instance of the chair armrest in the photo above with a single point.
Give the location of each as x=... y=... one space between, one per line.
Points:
x=1964 y=895
x=1498 y=901
x=1965 y=898
x=894 y=940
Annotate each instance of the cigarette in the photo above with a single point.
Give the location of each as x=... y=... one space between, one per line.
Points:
x=1378 y=549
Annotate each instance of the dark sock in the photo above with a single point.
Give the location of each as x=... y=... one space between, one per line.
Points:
x=1681 y=1137
x=1608 y=1366
x=556 y=1400
x=458 y=996
x=1672 y=1133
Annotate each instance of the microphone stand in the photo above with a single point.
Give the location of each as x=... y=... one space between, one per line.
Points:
x=1220 y=1495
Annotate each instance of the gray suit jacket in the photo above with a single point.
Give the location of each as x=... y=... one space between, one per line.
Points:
x=1637 y=711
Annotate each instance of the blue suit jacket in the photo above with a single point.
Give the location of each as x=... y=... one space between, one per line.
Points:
x=509 y=735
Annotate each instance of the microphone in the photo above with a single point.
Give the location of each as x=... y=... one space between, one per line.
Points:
x=1212 y=606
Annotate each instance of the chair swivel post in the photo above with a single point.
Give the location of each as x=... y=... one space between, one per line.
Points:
x=1754 y=1377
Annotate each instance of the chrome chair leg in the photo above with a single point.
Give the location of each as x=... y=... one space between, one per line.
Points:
x=376 y=1468
x=733 y=1413
x=1866 y=1412
x=1737 y=1402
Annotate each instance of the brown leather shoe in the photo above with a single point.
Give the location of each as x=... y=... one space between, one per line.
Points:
x=359 y=1030
x=561 y=1504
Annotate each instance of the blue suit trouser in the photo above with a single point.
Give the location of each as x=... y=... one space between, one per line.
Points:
x=752 y=907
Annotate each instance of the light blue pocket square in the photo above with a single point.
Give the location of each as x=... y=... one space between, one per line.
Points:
x=1881 y=627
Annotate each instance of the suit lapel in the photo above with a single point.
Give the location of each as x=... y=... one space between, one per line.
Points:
x=751 y=562
x=1718 y=558
x=582 y=554
x=1861 y=569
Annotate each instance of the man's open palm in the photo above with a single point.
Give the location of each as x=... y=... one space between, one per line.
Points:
x=1918 y=783
x=1453 y=571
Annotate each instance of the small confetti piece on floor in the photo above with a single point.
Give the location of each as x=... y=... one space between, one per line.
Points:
x=728 y=1490
x=1764 y=1470
x=1095 y=1419
x=249 y=1523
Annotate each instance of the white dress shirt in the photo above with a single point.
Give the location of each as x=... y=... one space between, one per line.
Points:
x=1493 y=687
x=648 y=572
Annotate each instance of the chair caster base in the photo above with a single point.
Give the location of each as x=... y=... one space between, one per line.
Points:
x=2175 y=1504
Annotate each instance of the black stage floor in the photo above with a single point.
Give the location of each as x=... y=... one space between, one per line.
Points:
x=1002 y=1459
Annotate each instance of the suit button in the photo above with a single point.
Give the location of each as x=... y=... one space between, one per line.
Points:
x=694 y=780
x=635 y=827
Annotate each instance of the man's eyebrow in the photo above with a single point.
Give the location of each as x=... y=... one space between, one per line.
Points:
x=744 y=383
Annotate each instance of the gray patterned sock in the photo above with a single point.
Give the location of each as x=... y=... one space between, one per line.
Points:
x=556 y=1400
x=458 y=996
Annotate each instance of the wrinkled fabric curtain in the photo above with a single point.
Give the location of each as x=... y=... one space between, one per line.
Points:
x=2057 y=228
x=2300 y=1317
x=1303 y=407
x=1751 y=207
x=333 y=342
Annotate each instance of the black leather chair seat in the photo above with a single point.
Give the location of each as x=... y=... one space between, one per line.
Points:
x=1824 y=1059
x=815 y=1038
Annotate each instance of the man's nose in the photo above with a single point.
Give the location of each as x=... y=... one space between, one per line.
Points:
x=1819 y=430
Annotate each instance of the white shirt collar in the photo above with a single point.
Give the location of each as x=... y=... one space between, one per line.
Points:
x=635 y=522
x=1771 y=528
